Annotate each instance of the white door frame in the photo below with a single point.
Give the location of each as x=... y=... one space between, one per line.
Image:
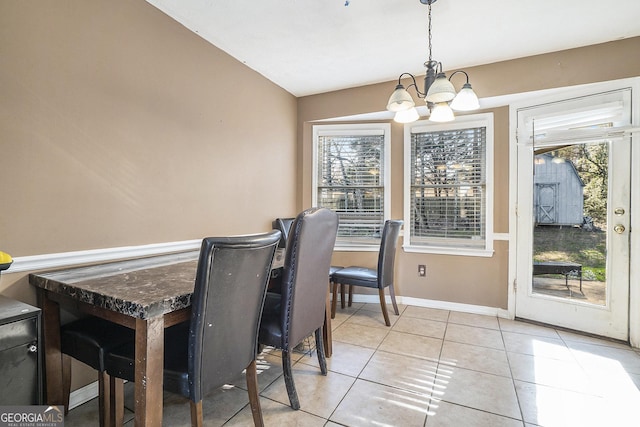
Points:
x=534 y=98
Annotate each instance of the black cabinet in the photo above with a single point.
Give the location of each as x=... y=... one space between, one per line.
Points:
x=20 y=355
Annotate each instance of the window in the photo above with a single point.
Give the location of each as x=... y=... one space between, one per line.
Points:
x=351 y=177
x=448 y=191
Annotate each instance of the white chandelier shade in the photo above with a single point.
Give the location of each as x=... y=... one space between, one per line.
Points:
x=439 y=93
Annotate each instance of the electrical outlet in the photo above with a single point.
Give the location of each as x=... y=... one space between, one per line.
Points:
x=422 y=270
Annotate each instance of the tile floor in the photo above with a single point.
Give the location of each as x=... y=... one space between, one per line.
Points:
x=433 y=368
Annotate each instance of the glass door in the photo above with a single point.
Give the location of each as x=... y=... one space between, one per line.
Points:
x=573 y=218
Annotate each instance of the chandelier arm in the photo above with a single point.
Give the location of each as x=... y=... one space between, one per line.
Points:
x=406 y=74
x=413 y=83
x=459 y=71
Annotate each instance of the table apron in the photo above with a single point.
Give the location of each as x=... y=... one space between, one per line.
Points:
x=170 y=319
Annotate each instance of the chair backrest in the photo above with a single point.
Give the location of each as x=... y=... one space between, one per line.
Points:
x=387 y=254
x=284 y=225
x=226 y=307
x=305 y=277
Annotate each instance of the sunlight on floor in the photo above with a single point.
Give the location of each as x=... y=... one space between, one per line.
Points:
x=596 y=381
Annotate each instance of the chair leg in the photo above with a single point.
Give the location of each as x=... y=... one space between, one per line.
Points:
x=196 y=414
x=342 y=296
x=322 y=361
x=116 y=401
x=254 y=398
x=104 y=399
x=66 y=381
x=350 y=295
x=392 y=293
x=383 y=305
x=327 y=339
x=334 y=302
x=288 y=380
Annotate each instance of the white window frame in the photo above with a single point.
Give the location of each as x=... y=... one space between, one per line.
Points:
x=363 y=129
x=461 y=122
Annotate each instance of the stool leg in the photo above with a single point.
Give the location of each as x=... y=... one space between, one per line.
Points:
x=66 y=381
x=334 y=302
x=116 y=400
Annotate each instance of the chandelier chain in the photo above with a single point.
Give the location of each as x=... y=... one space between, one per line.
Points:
x=429 y=29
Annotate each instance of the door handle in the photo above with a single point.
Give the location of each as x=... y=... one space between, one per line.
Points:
x=619 y=228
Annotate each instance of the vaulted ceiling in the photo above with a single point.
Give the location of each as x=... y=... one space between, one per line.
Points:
x=315 y=46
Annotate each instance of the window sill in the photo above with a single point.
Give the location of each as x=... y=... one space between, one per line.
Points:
x=485 y=253
x=357 y=248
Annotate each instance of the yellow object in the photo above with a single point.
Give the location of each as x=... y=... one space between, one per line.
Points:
x=5 y=260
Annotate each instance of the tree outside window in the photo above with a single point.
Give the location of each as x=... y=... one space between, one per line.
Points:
x=351 y=179
x=447 y=185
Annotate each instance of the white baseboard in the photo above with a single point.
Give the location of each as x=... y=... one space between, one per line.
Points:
x=442 y=305
x=83 y=395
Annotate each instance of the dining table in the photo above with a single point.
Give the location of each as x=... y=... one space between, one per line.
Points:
x=145 y=294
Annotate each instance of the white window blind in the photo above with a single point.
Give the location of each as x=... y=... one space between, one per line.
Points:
x=449 y=193
x=577 y=120
x=350 y=180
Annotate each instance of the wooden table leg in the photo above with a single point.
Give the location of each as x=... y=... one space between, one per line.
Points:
x=149 y=371
x=326 y=329
x=52 y=356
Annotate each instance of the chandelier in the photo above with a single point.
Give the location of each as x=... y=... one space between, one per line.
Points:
x=439 y=94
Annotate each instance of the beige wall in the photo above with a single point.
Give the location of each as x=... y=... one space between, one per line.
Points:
x=120 y=127
x=460 y=279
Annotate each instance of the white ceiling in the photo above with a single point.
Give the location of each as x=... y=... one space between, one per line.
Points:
x=315 y=46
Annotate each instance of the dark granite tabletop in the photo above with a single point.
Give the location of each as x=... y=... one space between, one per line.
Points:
x=142 y=288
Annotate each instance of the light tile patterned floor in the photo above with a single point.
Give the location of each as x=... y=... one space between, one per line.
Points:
x=433 y=368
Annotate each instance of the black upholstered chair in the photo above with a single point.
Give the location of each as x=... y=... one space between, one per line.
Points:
x=88 y=340
x=380 y=278
x=220 y=340
x=299 y=310
x=284 y=225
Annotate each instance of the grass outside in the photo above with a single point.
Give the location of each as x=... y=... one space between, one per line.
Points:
x=575 y=245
